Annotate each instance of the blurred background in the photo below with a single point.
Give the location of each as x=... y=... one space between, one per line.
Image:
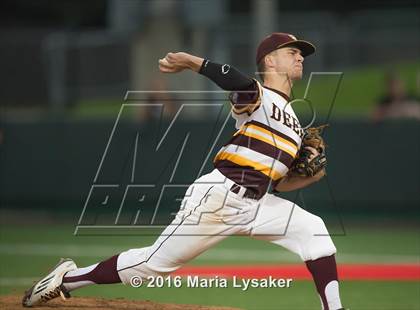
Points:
x=66 y=67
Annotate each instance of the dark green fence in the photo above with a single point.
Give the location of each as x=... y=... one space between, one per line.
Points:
x=372 y=167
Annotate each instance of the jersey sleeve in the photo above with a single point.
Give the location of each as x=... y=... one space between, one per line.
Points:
x=246 y=101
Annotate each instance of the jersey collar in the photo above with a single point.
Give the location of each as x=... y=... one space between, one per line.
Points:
x=279 y=92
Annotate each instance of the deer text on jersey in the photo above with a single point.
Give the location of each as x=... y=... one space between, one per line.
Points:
x=287 y=119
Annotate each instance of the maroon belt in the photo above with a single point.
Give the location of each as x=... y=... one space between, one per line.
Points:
x=249 y=193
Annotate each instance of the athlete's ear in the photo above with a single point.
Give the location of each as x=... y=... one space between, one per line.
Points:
x=269 y=61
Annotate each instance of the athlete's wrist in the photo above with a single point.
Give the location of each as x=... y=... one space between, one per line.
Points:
x=194 y=63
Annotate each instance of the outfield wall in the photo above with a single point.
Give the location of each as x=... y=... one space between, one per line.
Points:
x=372 y=167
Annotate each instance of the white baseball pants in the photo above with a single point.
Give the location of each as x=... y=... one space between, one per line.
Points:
x=210 y=212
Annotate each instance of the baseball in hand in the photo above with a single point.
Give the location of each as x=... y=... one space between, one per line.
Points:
x=172 y=63
x=176 y=62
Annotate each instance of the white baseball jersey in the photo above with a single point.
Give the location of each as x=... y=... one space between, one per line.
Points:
x=267 y=142
x=261 y=151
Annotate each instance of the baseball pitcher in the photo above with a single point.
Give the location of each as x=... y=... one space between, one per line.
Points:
x=269 y=152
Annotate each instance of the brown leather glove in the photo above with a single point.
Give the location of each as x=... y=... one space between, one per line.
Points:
x=305 y=163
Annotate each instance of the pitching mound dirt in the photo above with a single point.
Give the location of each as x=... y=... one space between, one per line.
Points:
x=14 y=302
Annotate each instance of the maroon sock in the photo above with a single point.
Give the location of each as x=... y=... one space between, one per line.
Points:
x=103 y=273
x=324 y=270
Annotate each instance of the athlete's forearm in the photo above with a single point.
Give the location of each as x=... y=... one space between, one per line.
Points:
x=291 y=183
x=227 y=77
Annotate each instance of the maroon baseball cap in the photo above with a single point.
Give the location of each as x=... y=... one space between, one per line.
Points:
x=278 y=40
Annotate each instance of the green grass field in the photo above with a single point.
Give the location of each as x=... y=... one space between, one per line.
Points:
x=28 y=251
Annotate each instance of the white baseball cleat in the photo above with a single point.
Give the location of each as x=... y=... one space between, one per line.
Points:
x=50 y=286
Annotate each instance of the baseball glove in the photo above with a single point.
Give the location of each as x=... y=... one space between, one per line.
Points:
x=304 y=165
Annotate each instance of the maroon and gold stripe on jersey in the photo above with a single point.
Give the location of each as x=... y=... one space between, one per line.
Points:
x=266 y=135
x=257 y=154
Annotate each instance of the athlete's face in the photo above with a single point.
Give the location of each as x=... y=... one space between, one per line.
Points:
x=288 y=60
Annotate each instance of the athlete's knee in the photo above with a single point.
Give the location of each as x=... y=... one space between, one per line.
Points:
x=312 y=225
x=318 y=240
x=318 y=226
